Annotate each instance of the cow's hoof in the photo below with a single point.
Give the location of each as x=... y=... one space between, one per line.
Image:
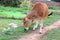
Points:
x=36 y=28
x=40 y=32
x=42 y=27
x=33 y=29
x=25 y=30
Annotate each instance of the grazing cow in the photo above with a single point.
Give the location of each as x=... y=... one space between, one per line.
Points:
x=39 y=12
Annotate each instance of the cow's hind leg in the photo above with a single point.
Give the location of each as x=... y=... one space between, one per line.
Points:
x=35 y=24
x=41 y=26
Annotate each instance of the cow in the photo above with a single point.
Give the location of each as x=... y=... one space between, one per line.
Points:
x=39 y=13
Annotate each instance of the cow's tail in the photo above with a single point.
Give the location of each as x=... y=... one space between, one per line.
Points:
x=50 y=14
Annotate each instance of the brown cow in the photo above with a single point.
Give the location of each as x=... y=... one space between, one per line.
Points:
x=39 y=12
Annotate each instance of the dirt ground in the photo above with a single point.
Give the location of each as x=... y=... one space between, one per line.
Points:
x=35 y=34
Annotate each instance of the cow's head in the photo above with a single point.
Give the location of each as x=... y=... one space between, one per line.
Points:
x=27 y=23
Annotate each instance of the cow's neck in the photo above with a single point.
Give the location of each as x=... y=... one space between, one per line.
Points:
x=32 y=15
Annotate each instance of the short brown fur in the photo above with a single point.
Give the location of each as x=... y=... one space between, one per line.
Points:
x=39 y=11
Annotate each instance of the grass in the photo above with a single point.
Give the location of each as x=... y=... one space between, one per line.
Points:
x=54 y=8
x=13 y=9
x=52 y=19
x=10 y=12
x=52 y=35
x=14 y=34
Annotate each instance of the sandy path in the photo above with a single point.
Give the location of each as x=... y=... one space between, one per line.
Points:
x=35 y=35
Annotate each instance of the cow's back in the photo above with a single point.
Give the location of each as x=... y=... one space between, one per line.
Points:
x=40 y=9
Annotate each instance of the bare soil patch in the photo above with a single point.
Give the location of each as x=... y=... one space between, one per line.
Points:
x=35 y=35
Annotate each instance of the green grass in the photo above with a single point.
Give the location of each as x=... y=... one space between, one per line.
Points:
x=14 y=34
x=52 y=35
x=10 y=12
x=13 y=9
x=51 y=19
x=54 y=8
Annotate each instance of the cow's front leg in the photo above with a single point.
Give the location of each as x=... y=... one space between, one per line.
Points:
x=35 y=25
